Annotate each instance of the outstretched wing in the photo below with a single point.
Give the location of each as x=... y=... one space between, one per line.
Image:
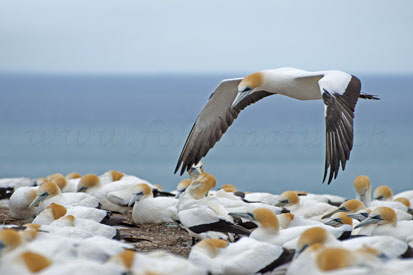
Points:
x=213 y=121
x=339 y=100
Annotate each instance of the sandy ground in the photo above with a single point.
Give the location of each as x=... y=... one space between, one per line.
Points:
x=146 y=237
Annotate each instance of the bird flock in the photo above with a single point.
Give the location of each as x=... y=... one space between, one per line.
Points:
x=69 y=227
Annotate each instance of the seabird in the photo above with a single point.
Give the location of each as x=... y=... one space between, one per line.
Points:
x=386 y=223
x=49 y=192
x=306 y=208
x=383 y=193
x=350 y=206
x=338 y=90
x=147 y=209
x=246 y=256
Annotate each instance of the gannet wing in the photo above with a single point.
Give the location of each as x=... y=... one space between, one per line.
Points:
x=340 y=92
x=213 y=121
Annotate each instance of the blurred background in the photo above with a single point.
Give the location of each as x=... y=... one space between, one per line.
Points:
x=90 y=86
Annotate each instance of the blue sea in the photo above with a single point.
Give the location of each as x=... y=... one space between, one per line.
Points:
x=138 y=125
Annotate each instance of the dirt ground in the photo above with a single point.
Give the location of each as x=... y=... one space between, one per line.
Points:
x=145 y=237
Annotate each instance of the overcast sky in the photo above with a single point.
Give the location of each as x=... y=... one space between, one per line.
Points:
x=134 y=36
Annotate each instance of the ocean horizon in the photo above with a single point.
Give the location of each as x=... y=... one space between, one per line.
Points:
x=138 y=125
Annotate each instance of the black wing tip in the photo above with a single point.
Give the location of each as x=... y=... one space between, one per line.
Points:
x=368 y=96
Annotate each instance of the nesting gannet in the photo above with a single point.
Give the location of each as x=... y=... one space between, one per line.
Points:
x=92 y=185
x=306 y=208
x=246 y=256
x=386 y=223
x=181 y=187
x=65 y=185
x=90 y=226
x=111 y=176
x=147 y=209
x=363 y=189
x=157 y=262
x=338 y=219
x=20 y=201
x=364 y=260
x=203 y=216
x=9 y=185
x=25 y=263
x=55 y=211
x=49 y=192
x=113 y=196
x=338 y=90
x=383 y=193
x=350 y=206
x=9 y=240
x=73 y=175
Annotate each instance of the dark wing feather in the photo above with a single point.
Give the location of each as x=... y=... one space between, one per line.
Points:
x=213 y=121
x=339 y=126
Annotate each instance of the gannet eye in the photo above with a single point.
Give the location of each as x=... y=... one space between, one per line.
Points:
x=338 y=220
x=377 y=217
x=45 y=194
x=364 y=214
x=246 y=89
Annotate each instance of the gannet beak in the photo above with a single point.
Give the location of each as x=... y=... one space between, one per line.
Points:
x=242 y=215
x=298 y=252
x=240 y=96
x=367 y=221
x=82 y=189
x=38 y=199
x=178 y=195
x=281 y=203
x=333 y=222
x=332 y=213
x=357 y=216
x=134 y=198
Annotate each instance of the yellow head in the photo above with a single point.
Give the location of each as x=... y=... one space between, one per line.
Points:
x=9 y=239
x=362 y=184
x=127 y=257
x=229 y=188
x=404 y=201
x=34 y=261
x=200 y=187
x=52 y=176
x=338 y=219
x=352 y=206
x=60 y=181
x=183 y=184
x=251 y=82
x=334 y=258
x=310 y=237
x=383 y=193
x=212 y=246
x=88 y=181
x=57 y=210
x=116 y=175
x=266 y=219
x=73 y=175
x=285 y=219
x=288 y=198
x=381 y=215
x=45 y=190
x=140 y=191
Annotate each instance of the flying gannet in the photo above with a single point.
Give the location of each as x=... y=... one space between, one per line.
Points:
x=338 y=90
